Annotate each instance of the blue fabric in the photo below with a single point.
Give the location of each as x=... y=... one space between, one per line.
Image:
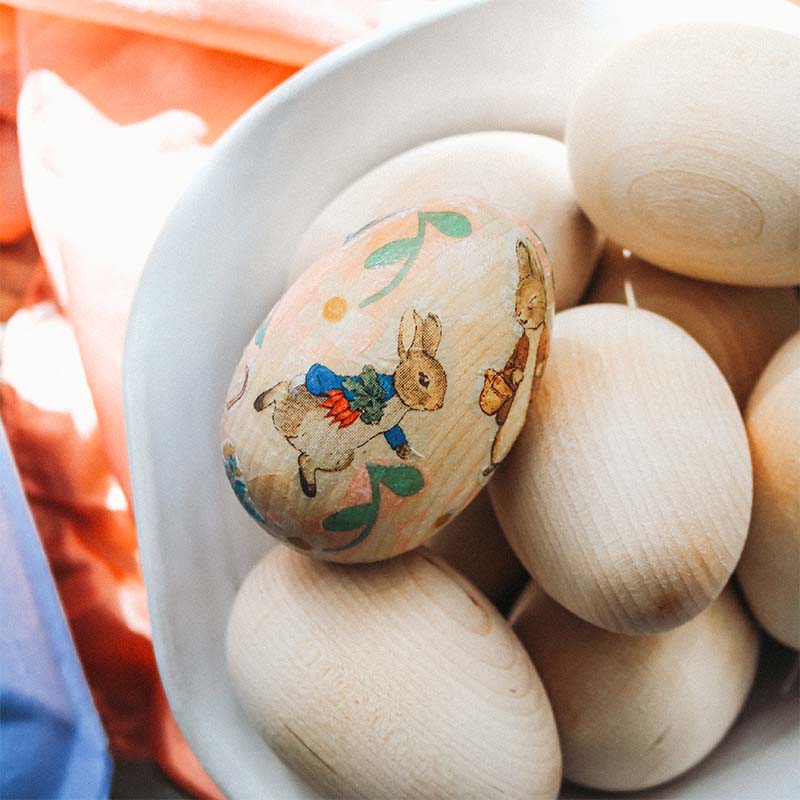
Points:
x=395 y=437
x=320 y=380
x=52 y=744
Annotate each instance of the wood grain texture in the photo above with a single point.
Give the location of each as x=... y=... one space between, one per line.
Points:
x=684 y=146
x=739 y=327
x=475 y=545
x=769 y=571
x=392 y=680
x=525 y=173
x=628 y=494
x=636 y=711
x=383 y=389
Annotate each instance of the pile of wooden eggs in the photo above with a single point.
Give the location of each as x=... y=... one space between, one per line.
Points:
x=655 y=432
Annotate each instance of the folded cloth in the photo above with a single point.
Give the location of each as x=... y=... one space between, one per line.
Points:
x=98 y=194
x=14 y=222
x=88 y=533
x=8 y=63
x=131 y=76
x=81 y=515
x=289 y=31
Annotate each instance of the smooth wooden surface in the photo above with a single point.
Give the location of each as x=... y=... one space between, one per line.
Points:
x=475 y=545
x=684 y=146
x=392 y=680
x=635 y=711
x=525 y=173
x=739 y=327
x=769 y=572
x=628 y=493
x=442 y=306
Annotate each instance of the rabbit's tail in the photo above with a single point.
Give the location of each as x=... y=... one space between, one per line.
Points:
x=275 y=395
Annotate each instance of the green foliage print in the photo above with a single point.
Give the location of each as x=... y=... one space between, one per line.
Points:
x=369 y=398
x=449 y=223
x=402 y=480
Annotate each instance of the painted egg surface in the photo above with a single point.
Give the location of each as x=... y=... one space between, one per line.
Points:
x=383 y=389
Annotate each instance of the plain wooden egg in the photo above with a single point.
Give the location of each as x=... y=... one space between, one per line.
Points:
x=475 y=545
x=684 y=146
x=636 y=711
x=390 y=380
x=628 y=493
x=715 y=315
x=769 y=571
x=391 y=680
x=523 y=172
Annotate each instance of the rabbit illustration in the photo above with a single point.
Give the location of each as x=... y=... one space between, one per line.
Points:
x=502 y=387
x=329 y=416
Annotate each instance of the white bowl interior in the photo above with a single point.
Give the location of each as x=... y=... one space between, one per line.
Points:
x=219 y=265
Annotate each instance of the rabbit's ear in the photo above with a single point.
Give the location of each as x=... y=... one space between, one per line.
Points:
x=524 y=260
x=431 y=334
x=416 y=342
x=404 y=333
x=529 y=261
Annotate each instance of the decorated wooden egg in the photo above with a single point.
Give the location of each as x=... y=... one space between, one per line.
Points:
x=714 y=314
x=391 y=379
x=684 y=146
x=390 y=680
x=628 y=493
x=769 y=571
x=635 y=711
x=522 y=172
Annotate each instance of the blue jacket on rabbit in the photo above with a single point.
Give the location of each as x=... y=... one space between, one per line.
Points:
x=320 y=380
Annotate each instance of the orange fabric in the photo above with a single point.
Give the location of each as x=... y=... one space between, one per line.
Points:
x=8 y=64
x=14 y=222
x=131 y=76
x=98 y=194
x=88 y=533
x=288 y=31
x=81 y=516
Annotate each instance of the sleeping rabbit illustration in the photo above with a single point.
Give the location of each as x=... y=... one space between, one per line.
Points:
x=501 y=388
x=329 y=416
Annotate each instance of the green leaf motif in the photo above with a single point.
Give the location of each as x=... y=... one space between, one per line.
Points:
x=262 y=329
x=403 y=480
x=391 y=253
x=448 y=222
x=352 y=517
x=369 y=397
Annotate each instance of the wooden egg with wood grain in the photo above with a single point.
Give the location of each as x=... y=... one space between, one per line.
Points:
x=635 y=711
x=684 y=146
x=522 y=172
x=391 y=379
x=390 y=680
x=628 y=493
x=714 y=314
x=475 y=545
x=769 y=572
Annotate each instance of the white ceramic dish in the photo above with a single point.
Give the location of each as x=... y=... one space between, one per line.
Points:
x=219 y=265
